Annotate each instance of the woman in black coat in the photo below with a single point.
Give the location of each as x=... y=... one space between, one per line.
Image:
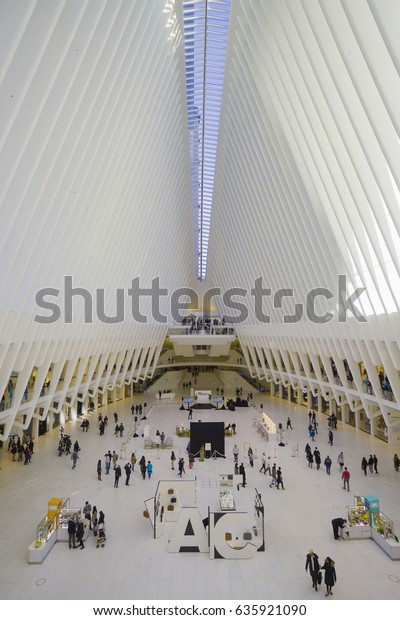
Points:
x=142 y=465
x=364 y=465
x=330 y=575
x=313 y=564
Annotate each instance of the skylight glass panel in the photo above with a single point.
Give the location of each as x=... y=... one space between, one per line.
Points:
x=206 y=26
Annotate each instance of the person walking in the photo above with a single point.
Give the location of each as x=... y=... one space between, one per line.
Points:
x=330 y=437
x=263 y=464
x=143 y=468
x=346 y=479
x=121 y=430
x=102 y=518
x=68 y=444
x=336 y=524
x=114 y=458
x=242 y=472
x=235 y=452
x=149 y=469
x=375 y=463
x=328 y=464
x=98 y=469
x=396 y=462
x=273 y=474
x=364 y=465
x=340 y=460
x=317 y=458
x=173 y=459
x=310 y=459
x=128 y=469
x=117 y=476
x=251 y=456
x=279 y=479
x=288 y=424
x=312 y=564
x=191 y=460
x=371 y=464
x=74 y=458
x=181 y=467
x=330 y=575
x=108 y=458
x=133 y=461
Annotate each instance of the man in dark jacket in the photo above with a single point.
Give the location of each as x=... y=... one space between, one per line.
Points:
x=80 y=530
x=71 y=533
x=242 y=472
x=336 y=524
x=128 y=469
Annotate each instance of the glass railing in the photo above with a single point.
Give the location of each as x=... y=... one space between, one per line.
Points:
x=187 y=330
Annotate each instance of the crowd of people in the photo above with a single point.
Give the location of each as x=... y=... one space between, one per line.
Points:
x=126 y=467
x=89 y=517
x=21 y=450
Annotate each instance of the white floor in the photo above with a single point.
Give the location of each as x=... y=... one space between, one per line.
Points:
x=134 y=566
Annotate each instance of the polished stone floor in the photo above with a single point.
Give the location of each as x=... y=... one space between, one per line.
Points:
x=134 y=566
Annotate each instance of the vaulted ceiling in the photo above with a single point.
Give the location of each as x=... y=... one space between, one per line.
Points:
x=95 y=170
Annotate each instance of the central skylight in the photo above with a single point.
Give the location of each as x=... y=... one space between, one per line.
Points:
x=206 y=26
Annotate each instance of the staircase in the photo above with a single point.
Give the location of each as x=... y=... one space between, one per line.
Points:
x=254 y=383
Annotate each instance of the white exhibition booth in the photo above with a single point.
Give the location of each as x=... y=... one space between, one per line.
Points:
x=223 y=533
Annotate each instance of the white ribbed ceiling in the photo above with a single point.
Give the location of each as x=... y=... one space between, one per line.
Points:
x=93 y=104
x=307 y=182
x=95 y=179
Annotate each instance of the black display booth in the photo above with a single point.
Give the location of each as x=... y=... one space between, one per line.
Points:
x=202 y=433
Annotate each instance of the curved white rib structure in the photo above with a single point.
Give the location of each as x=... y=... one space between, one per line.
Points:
x=95 y=184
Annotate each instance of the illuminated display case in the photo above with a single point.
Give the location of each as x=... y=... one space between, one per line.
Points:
x=383 y=534
x=269 y=425
x=358 y=525
x=44 y=530
x=359 y=500
x=383 y=526
x=65 y=516
x=48 y=531
x=371 y=502
x=357 y=516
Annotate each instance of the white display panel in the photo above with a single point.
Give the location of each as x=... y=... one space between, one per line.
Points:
x=202 y=396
